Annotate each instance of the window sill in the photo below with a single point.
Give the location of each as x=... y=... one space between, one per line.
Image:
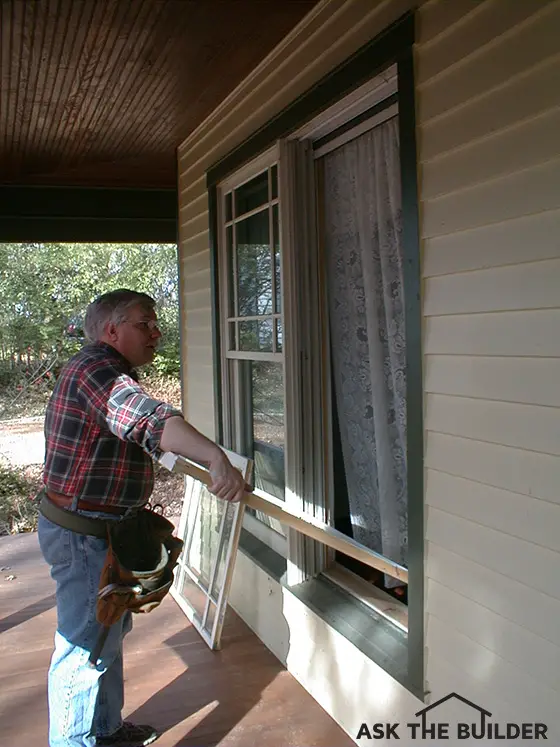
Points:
x=377 y=638
x=375 y=599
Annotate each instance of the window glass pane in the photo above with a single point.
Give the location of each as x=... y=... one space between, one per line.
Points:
x=231 y=336
x=274 y=180
x=254 y=272
x=222 y=557
x=210 y=617
x=267 y=396
x=279 y=335
x=194 y=595
x=206 y=537
x=256 y=336
x=230 y=271
x=228 y=206
x=252 y=194
x=276 y=239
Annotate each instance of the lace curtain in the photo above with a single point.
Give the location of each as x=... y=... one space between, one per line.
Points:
x=366 y=309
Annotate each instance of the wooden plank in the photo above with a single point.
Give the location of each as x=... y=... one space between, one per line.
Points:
x=511 y=55
x=527 y=239
x=527 y=95
x=521 y=605
x=532 y=700
x=300 y=521
x=515 y=333
x=512 y=557
x=518 y=470
x=79 y=35
x=534 y=655
x=532 y=381
x=483 y=25
x=533 y=285
x=531 y=191
x=513 y=513
x=509 y=424
x=373 y=597
x=521 y=147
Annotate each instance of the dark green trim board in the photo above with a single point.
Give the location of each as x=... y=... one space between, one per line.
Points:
x=387 y=48
x=33 y=213
x=215 y=295
x=264 y=556
x=404 y=659
x=179 y=286
x=414 y=394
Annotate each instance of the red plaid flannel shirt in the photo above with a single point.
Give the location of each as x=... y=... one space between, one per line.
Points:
x=101 y=430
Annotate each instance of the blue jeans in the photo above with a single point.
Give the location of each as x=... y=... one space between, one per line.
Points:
x=83 y=701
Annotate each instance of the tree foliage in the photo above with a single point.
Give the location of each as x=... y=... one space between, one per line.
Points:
x=45 y=289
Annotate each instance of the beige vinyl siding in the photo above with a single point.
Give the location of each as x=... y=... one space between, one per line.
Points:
x=488 y=108
x=196 y=321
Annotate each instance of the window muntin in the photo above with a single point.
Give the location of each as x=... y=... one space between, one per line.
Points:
x=253 y=325
x=253 y=266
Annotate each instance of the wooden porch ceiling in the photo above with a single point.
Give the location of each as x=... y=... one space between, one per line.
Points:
x=101 y=92
x=235 y=697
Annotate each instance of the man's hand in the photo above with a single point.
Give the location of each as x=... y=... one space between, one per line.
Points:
x=227 y=482
x=180 y=437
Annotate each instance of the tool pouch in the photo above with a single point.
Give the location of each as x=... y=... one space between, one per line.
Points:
x=138 y=570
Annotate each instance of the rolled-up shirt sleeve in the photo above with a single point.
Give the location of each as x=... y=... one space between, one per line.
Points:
x=119 y=403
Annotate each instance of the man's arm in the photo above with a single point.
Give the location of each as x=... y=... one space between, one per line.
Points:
x=119 y=403
x=181 y=438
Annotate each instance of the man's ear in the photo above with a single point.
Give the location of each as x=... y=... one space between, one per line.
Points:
x=112 y=331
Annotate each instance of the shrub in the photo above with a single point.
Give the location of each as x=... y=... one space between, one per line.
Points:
x=18 y=487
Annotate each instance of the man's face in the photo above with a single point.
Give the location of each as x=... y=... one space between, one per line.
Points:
x=137 y=337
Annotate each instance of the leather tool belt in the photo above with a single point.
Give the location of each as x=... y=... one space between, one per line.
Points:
x=62 y=517
x=138 y=570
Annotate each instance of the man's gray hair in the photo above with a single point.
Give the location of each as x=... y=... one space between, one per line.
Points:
x=113 y=307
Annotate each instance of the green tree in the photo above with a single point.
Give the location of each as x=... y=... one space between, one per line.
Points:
x=46 y=288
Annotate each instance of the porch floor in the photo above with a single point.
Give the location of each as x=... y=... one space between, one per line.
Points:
x=240 y=695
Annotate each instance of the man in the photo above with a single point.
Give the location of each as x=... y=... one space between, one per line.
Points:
x=102 y=431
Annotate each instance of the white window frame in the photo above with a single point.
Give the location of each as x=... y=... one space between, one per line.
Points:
x=268 y=530
x=372 y=94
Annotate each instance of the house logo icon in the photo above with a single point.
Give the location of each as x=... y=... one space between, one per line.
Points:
x=429 y=730
x=476 y=726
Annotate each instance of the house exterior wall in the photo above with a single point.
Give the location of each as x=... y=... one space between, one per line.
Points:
x=488 y=118
x=488 y=133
